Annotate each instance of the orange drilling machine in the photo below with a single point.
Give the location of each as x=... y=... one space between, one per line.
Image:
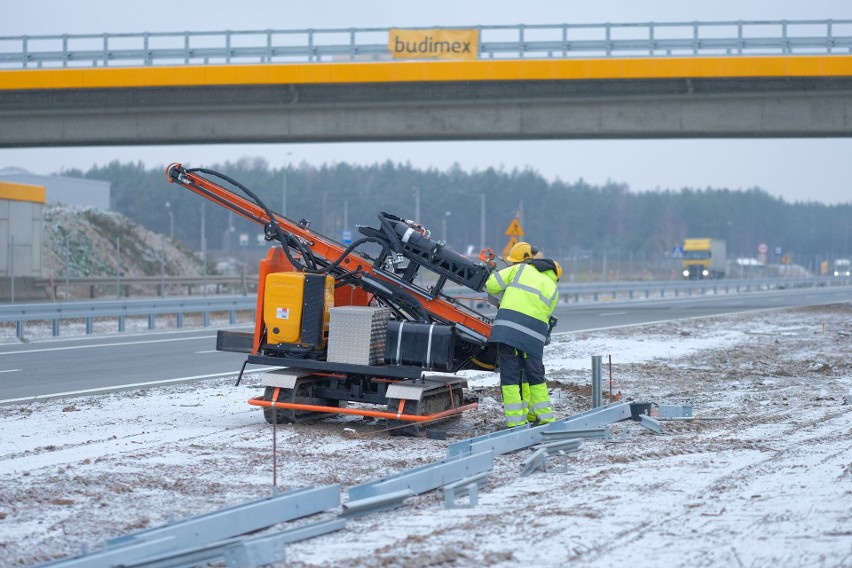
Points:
x=354 y=324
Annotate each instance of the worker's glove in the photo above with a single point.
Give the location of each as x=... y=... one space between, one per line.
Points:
x=551 y=324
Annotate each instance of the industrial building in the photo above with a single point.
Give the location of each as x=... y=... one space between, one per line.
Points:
x=22 y=199
x=76 y=192
x=21 y=219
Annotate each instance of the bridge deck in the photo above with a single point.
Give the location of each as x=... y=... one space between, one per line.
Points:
x=430 y=72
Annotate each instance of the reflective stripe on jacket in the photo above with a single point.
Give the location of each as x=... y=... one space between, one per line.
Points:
x=527 y=299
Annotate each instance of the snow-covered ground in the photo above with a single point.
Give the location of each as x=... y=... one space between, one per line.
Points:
x=764 y=479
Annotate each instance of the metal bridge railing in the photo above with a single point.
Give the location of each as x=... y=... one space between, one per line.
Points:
x=650 y=39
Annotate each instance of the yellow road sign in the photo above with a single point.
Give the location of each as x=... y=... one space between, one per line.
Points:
x=512 y=242
x=514 y=229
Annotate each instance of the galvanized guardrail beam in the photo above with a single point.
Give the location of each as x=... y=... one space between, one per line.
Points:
x=255 y=551
x=512 y=439
x=651 y=424
x=241 y=551
x=199 y=534
x=56 y=312
x=469 y=486
x=538 y=459
x=596 y=291
x=425 y=478
x=214 y=536
x=376 y=503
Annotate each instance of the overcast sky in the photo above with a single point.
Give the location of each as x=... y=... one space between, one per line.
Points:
x=796 y=170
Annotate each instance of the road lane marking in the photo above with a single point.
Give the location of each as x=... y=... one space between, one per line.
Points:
x=612 y=314
x=208 y=351
x=104 y=390
x=11 y=370
x=649 y=323
x=122 y=344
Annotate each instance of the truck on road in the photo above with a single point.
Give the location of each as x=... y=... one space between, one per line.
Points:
x=704 y=259
x=842 y=267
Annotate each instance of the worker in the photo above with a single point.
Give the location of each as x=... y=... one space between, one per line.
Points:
x=527 y=295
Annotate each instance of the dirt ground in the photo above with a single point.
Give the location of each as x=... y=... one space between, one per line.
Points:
x=761 y=477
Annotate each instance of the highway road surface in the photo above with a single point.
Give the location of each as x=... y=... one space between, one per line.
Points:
x=74 y=366
x=598 y=315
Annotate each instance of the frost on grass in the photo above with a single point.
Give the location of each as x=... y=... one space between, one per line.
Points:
x=763 y=477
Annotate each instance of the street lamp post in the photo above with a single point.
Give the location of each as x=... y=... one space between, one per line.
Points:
x=67 y=268
x=444 y=226
x=417 y=204
x=117 y=268
x=284 y=195
x=286 y=172
x=482 y=222
x=162 y=268
x=204 y=249
x=171 y=220
x=12 y=266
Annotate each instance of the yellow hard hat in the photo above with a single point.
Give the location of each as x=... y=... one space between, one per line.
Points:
x=521 y=252
x=558 y=270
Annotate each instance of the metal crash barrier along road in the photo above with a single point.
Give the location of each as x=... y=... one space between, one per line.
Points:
x=120 y=310
x=219 y=536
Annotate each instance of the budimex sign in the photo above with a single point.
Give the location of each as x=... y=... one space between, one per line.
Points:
x=433 y=44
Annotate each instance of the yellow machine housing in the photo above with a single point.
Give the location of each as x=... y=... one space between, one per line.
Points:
x=295 y=308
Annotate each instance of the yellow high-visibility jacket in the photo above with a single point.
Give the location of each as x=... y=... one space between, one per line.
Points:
x=528 y=295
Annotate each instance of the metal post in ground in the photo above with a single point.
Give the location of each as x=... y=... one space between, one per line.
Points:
x=12 y=266
x=610 y=379
x=596 y=381
x=117 y=268
x=67 y=268
x=204 y=249
x=162 y=268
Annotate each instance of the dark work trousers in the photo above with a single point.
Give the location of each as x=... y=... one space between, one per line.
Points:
x=515 y=365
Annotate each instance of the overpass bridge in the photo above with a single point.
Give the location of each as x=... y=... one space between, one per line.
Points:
x=650 y=80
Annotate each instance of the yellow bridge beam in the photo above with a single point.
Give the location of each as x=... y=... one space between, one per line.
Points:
x=429 y=71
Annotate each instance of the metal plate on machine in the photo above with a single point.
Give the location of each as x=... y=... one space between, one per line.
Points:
x=234 y=341
x=443 y=377
x=414 y=390
x=357 y=334
x=284 y=378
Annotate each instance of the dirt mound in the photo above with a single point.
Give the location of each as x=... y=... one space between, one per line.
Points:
x=83 y=243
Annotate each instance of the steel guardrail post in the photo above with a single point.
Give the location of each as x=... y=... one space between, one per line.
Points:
x=596 y=382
